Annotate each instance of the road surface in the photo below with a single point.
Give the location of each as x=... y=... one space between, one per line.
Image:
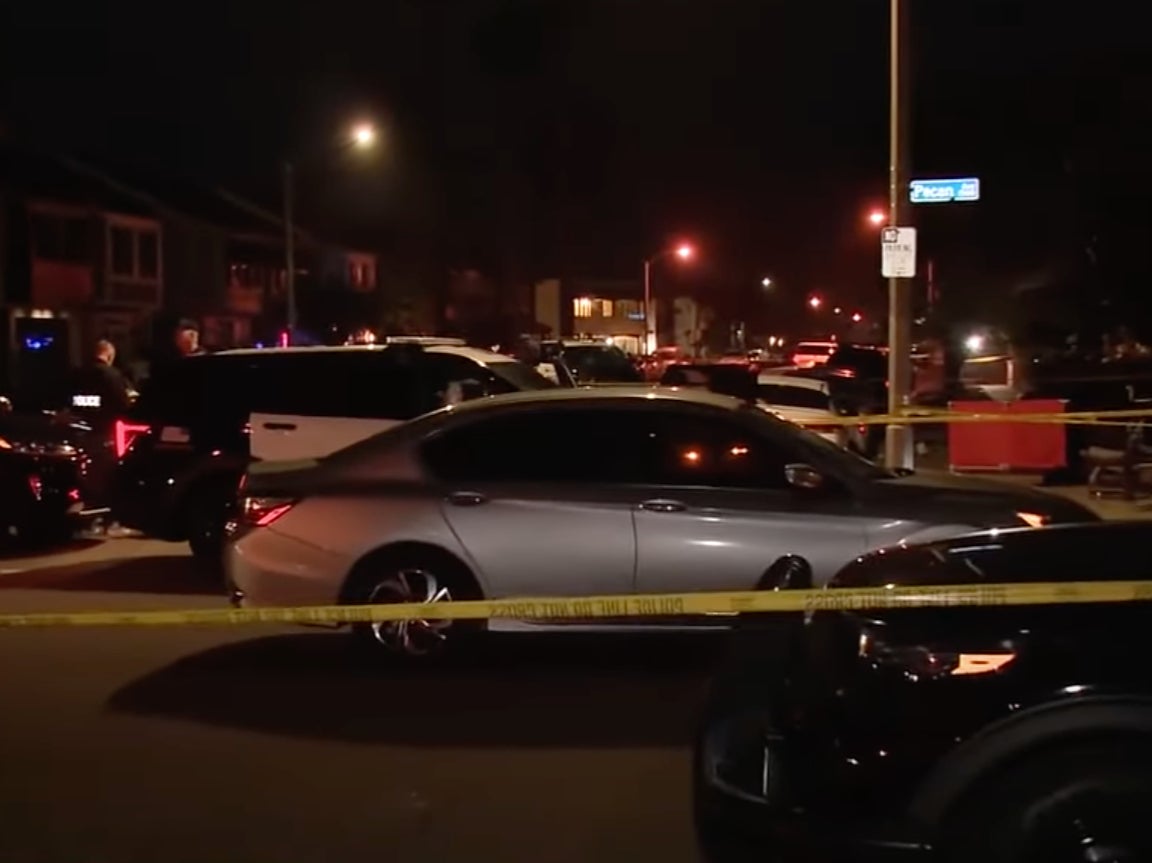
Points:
x=275 y=744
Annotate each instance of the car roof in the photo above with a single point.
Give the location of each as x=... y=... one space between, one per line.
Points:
x=817 y=384
x=817 y=344
x=1088 y=531
x=456 y=347
x=591 y=395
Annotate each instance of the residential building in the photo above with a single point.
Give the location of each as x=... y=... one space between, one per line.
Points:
x=606 y=308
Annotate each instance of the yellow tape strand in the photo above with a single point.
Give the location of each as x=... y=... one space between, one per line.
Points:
x=632 y=605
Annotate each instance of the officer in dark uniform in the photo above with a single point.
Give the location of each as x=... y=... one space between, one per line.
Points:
x=101 y=396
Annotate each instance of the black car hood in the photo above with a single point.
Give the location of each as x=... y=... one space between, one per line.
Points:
x=973 y=500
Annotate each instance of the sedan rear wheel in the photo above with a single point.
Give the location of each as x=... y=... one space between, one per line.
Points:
x=411 y=576
x=411 y=637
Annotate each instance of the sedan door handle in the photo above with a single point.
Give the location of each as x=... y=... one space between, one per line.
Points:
x=280 y=426
x=662 y=505
x=466 y=498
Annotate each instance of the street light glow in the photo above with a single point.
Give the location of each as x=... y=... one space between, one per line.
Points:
x=837 y=310
x=766 y=282
x=857 y=317
x=684 y=252
x=815 y=302
x=364 y=135
x=877 y=217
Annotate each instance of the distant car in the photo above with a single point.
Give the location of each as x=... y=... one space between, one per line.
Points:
x=42 y=474
x=593 y=362
x=583 y=491
x=205 y=418
x=808 y=354
x=808 y=403
x=805 y=401
x=1007 y=734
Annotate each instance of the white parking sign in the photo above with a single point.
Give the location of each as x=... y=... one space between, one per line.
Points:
x=898 y=253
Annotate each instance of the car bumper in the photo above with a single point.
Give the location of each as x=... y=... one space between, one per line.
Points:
x=269 y=569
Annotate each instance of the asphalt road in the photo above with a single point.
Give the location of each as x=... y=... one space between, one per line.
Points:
x=275 y=744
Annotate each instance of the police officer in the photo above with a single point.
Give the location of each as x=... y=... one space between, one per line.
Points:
x=103 y=393
x=101 y=396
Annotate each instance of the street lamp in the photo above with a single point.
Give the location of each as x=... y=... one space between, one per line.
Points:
x=684 y=252
x=857 y=317
x=765 y=282
x=815 y=302
x=877 y=218
x=362 y=136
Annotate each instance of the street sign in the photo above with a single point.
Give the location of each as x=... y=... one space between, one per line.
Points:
x=944 y=191
x=898 y=253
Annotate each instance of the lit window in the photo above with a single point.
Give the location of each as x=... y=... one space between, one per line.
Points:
x=606 y=308
x=582 y=307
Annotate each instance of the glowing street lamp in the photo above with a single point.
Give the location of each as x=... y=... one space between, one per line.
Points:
x=857 y=317
x=815 y=302
x=684 y=252
x=877 y=218
x=765 y=282
x=364 y=135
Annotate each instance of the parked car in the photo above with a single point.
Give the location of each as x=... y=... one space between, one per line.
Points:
x=204 y=419
x=42 y=475
x=584 y=491
x=592 y=361
x=809 y=354
x=806 y=401
x=1002 y=734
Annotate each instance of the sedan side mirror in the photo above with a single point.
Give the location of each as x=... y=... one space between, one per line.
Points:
x=803 y=476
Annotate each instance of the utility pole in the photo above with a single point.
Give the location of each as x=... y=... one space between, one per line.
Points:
x=649 y=318
x=898 y=451
x=289 y=251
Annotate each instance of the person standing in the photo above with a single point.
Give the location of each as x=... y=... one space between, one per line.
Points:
x=101 y=396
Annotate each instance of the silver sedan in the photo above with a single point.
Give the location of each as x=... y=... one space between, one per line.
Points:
x=584 y=492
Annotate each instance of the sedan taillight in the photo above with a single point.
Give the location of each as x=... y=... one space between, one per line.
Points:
x=262 y=511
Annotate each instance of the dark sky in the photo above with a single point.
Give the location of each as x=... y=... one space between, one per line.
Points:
x=538 y=136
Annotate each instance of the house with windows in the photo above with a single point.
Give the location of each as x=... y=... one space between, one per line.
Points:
x=614 y=309
x=88 y=254
x=78 y=262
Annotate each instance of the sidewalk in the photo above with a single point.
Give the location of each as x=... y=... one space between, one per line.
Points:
x=1111 y=508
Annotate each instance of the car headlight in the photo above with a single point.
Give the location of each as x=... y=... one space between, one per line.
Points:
x=1034 y=519
x=927 y=662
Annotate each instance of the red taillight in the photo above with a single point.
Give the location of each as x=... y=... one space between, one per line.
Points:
x=125 y=433
x=262 y=511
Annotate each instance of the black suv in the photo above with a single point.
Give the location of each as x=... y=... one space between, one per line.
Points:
x=988 y=734
x=204 y=418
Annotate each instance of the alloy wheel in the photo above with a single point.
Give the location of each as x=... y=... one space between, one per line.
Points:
x=411 y=637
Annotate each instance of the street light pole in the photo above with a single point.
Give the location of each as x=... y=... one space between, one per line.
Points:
x=898 y=450
x=649 y=321
x=289 y=250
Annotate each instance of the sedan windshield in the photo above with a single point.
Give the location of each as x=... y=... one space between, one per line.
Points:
x=823 y=454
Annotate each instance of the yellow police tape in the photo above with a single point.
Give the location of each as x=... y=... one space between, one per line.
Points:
x=937 y=416
x=622 y=606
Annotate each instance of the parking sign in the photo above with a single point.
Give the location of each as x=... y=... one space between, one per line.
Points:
x=898 y=253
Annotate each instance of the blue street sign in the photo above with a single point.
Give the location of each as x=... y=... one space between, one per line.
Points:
x=943 y=191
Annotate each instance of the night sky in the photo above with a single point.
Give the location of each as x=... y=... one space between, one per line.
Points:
x=531 y=137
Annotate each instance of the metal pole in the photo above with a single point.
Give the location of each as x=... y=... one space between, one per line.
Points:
x=898 y=451
x=289 y=251
x=649 y=320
